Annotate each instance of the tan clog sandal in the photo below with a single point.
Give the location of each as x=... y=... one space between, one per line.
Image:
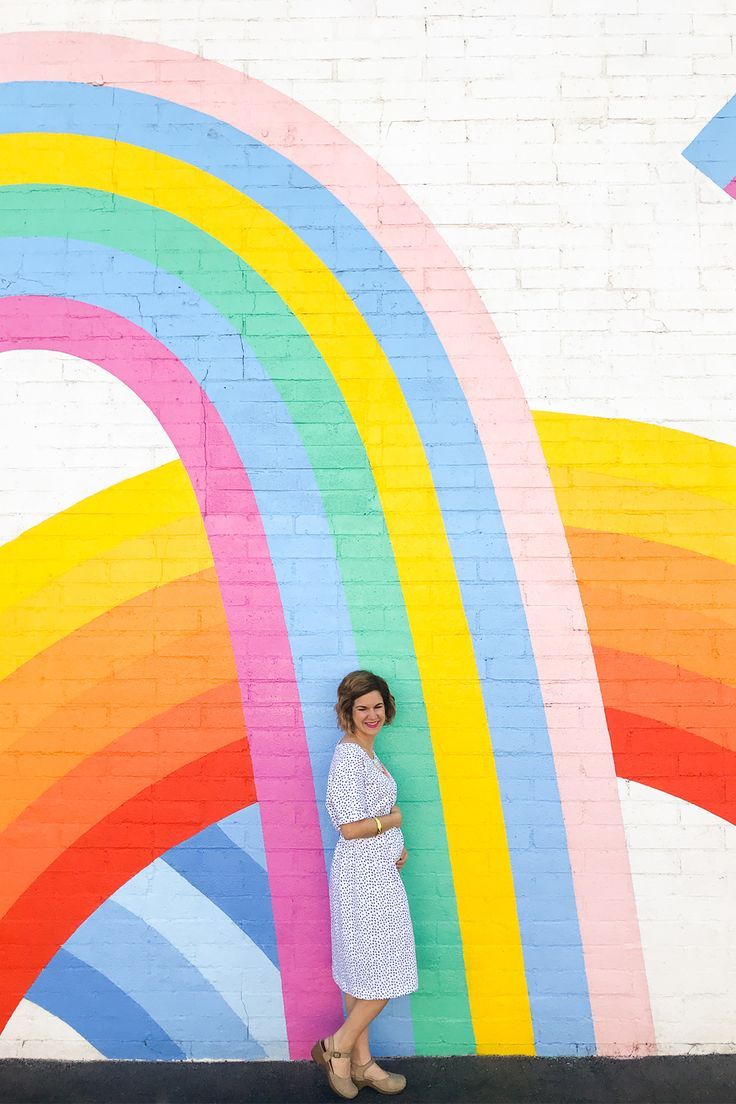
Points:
x=389 y=1084
x=323 y=1055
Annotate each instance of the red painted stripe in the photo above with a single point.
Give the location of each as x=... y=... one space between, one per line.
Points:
x=103 y=782
x=674 y=761
x=670 y=694
x=107 y=856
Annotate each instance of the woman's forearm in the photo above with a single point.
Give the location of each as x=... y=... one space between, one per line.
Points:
x=365 y=829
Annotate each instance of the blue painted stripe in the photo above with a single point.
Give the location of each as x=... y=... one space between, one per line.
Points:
x=153 y=973
x=392 y=1032
x=230 y=878
x=218 y=948
x=713 y=151
x=244 y=829
x=108 y=1018
x=472 y=518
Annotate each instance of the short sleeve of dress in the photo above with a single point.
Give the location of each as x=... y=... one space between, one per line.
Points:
x=346 y=798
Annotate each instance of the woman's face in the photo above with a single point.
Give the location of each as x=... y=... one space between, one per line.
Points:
x=369 y=714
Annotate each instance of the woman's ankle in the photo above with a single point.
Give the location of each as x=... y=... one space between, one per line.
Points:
x=339 y=1043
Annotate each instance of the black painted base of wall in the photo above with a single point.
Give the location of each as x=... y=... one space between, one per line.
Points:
x=709 y=1079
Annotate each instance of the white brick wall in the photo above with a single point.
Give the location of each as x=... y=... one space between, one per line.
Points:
x=556 y=171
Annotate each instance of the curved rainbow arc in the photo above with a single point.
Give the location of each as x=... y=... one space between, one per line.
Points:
x=87 y=352
x=137 y=1035
x=365 y=563
x=240 y=571
x=244 y=927
x=45 y=259
x=649 y=514
x=52 y=325
x=199 y=1000
x=101 y=562
x=446 y=615
x=601 y=1024
x=86 y=539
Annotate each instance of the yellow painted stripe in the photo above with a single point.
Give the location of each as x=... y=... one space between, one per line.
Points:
x=601 y=503
x=639 y=453
x=479 y=854
x=89 y=559
x=681 y=497
x=60 y=678
x=92 y=527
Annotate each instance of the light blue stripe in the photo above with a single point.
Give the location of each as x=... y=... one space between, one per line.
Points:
x=234 y=882
x=713 y=151
x=236 y=968
x=245 y=830
x=154 y=974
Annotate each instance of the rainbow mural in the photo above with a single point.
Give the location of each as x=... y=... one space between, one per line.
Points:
x=350 y=435
x=649 y=514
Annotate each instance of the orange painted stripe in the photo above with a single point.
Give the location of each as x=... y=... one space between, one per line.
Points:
x=107 y=856
x=639 y=568
x=675 y=762
x=104 y=647
x=653 y=629
x=41 y=756
x=102 y=783
x=671 y=695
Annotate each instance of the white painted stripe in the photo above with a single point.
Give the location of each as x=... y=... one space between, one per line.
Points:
x=683 y=861
x=32 y=1032
x=67 y=430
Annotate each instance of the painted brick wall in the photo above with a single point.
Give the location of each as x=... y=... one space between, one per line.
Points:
x=230 y=471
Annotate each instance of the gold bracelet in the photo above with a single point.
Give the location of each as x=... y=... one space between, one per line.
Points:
x=380 y=826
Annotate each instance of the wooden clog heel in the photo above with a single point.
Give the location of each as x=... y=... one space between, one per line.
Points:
x=389 y=1084
x=323 y=1055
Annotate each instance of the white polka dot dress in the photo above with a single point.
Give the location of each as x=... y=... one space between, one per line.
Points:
x=373 y=952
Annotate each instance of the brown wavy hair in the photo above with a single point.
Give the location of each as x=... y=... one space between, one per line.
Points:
x=354 y=686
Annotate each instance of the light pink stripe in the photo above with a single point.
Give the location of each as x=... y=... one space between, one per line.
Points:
x=278 y=747
x=623 y=1025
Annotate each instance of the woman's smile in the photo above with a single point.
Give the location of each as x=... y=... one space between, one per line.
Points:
x=369 y=713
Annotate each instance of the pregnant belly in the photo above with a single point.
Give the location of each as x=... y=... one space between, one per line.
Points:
x=385 y=848
x=393 y=843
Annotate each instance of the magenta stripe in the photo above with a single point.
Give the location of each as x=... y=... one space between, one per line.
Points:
x=261 y=651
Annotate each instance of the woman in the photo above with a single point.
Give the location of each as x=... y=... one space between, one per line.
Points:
x=373 y=954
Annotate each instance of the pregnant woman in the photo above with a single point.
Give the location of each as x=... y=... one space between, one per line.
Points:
x=373 y=955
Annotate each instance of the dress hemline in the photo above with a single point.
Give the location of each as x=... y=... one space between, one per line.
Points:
x=374 y=996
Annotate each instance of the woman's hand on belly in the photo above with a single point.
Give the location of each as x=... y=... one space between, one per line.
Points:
x=402 y=858
x=394 y=843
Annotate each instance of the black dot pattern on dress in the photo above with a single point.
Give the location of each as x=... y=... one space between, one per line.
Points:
x=373 y=950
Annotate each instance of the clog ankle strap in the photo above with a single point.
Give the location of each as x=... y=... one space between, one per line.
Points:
x=336 y=1053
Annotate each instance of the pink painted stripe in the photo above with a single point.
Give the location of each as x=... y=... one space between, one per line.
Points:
x=730 y=189
x=281 y=764
x=579 y=736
